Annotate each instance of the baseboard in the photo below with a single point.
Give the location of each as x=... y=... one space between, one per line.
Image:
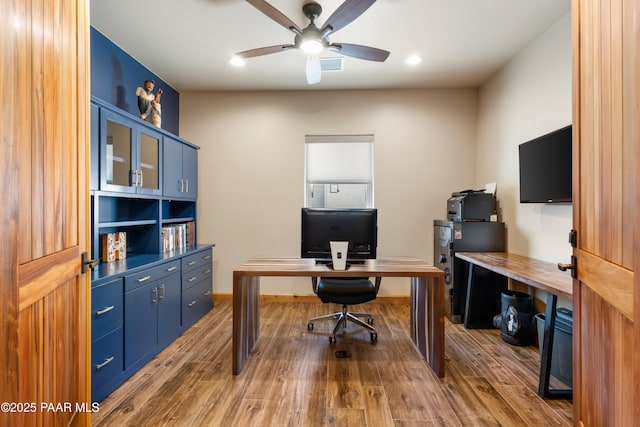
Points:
x=381 y=299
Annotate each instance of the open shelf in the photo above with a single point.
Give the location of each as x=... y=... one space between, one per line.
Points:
x=120 y=210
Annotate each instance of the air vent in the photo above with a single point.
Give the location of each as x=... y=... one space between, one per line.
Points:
x=331 y=64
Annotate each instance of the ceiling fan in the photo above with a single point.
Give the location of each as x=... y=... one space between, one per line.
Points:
x=313 y=40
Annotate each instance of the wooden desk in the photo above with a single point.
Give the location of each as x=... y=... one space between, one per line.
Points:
x=538 y=274
x=427 y=299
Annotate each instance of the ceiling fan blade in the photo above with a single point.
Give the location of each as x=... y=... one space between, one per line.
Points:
x=264 y=51
x=360 y=52
x=275 y=14
x=345 y=14
x=314 y=69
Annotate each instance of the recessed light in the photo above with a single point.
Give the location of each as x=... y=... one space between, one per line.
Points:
x=236 y=61
x=414 y=60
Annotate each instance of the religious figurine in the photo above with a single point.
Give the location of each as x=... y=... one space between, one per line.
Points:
x=149 y=104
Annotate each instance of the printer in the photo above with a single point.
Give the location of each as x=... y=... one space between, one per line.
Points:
x=471 y=205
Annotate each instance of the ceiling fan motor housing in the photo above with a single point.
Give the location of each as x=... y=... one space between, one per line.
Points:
x=312 y=10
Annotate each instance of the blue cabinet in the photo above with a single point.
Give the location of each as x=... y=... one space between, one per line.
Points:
x=180 y=170
x=130 y=155
x=137 y=302
x=197 y=273
x=107 y=337
x=152 y=311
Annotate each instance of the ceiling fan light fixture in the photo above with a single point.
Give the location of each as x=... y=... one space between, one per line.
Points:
x=311 y=46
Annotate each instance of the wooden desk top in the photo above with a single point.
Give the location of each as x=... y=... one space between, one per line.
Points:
x=539 y=274
x=296 y=266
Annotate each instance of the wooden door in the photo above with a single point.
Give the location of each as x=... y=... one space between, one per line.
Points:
x=44 y=141
x=606 y=334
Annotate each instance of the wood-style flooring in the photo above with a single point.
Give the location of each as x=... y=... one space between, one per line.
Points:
x=293 y=377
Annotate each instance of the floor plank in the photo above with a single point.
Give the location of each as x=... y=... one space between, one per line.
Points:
x=294 y=377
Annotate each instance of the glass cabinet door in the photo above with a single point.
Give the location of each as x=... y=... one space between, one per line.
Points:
x=149 y=165
x=130 y=155
x=118 y=154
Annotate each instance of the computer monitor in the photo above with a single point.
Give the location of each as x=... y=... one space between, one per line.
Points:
x=322 y=225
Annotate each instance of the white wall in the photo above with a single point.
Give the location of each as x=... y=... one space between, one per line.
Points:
x=251 y=167
x=529 y=97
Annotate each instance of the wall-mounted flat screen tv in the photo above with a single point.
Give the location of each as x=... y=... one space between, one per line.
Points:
x=545 y=168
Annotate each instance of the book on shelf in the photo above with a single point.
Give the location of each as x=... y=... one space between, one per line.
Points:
x=179 y=236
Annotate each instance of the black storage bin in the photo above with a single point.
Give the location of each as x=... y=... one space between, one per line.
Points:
x=562 y=356
x=517 y=321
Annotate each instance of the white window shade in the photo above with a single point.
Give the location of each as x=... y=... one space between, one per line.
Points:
x=349 y=160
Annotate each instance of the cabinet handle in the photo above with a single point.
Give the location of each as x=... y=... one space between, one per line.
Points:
x=187 y=181
x=134 y=178
x=192 y=304
x=192 y=263
x=162 y=289
x=192 y=279
x=207 y=271
x=155 y=296
x=141 y=178
x=181 y=185
x=105 y=363
x=207 y=293
x=172 y=268
x=105 y=310
x=207 y=257
x=144 y=279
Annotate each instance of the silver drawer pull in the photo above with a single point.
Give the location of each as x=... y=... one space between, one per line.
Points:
x=190 y=263
x=144 y=279
x=207 y=293
x=105 y=363
x=192 y=304
x=207 y=257
x=105 y=310
x=192 y=279
x=207 y=271
x=172 y=268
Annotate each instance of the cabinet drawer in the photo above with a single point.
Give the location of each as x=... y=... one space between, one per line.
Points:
x=197 y=260
x=150 y=275
x=193 y=277
x=106 y=308
x=106 y=359
x=196 y=302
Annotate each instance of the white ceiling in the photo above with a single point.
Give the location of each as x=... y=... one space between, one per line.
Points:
x=188 y=42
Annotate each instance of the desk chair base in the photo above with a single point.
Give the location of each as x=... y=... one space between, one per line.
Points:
x=344 y=316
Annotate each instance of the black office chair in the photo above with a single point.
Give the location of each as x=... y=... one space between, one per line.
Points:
x=346 y=290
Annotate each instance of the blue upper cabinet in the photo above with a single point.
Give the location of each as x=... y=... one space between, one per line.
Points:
x=180 y=179
x=130 y=155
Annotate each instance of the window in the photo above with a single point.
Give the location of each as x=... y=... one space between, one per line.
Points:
x=339 y=171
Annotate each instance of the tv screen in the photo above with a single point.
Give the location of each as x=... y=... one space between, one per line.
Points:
x=545 y=168
x=357 y=226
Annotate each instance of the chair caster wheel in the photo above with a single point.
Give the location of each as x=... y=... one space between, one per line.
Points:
x=332 y=340
x=310 y=326
x=374 y=336
x=370 y=320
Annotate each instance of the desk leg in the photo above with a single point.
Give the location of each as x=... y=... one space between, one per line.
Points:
x=467 y=304
x=427 y=320
x=246 y=318
x=547 y=352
